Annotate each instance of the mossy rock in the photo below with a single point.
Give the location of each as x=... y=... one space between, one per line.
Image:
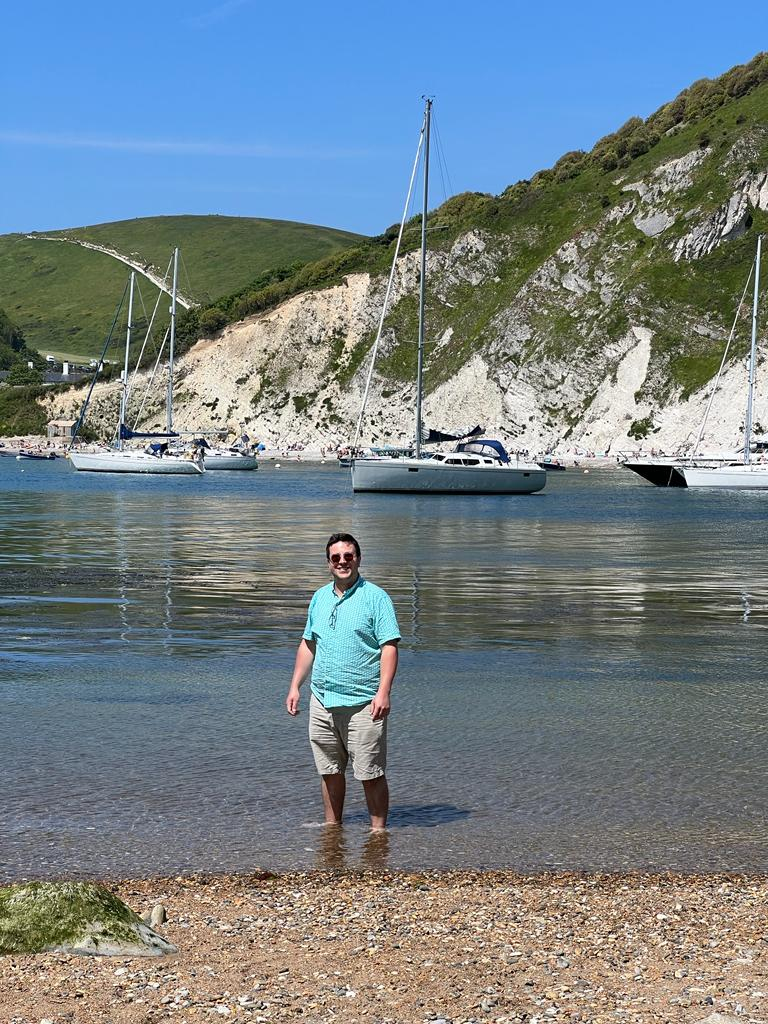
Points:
x=73 y=917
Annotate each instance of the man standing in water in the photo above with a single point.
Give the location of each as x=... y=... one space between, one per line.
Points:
x=350 y=646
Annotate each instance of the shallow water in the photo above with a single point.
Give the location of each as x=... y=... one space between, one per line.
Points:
x=582 y=680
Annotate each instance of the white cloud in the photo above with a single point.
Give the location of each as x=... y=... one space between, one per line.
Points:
x=177 y=147
x=218 y=13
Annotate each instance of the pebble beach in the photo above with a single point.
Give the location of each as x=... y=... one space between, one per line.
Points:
x=395 y=948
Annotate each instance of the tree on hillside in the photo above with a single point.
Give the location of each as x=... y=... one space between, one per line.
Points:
x=10 y=333
x=13 y=346
x=23 y=374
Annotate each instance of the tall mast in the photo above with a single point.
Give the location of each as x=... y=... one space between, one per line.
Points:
x=752 y=356
x=422 y=283
x=124 y=396
x=169 y=403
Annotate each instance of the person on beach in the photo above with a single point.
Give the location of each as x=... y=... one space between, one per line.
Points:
x=350 y=646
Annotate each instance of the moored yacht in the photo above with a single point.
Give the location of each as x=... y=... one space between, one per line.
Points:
x=747 y=475
x=663 y=471
x=476 y=466
x=228 y=458
x=110 y=460
x=750 y=476
x=156 y=457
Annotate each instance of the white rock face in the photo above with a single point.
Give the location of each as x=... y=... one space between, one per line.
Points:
x=654 y=214
x=728 y=221
x=681 y=423
x=614 y=405
x=654 y=223
x=675 y=175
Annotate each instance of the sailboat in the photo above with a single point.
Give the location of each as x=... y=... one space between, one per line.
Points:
x=156 y=458
x=477 y=465
x=669 y=470
x=237 y=456
x=747 y=475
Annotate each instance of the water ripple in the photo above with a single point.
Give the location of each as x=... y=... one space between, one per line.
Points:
x=582 y=679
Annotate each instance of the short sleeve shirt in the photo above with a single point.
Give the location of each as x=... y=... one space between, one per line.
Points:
x=349 y=632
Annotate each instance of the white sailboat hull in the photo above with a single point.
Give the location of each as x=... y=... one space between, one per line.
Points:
x=133 y=462
x=229 y=460
x=427 y=476
x=753 y=476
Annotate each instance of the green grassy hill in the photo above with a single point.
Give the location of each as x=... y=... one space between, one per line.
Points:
x=63 y=296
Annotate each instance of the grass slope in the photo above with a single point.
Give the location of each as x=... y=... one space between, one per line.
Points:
x=63 y=297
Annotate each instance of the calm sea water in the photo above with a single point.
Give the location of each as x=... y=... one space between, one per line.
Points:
x=582 y=683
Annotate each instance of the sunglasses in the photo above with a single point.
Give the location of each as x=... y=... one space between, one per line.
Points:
x=346 y=557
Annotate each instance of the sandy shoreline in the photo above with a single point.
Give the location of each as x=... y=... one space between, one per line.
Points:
x=394 y=947
x=11 y=446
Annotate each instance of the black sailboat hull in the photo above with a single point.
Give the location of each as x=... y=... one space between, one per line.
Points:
x=660 y=474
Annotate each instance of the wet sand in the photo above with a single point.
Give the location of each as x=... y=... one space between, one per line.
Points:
x=385 y=947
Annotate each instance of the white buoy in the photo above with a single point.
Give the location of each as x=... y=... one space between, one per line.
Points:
x=277 y=465
x=586 y=470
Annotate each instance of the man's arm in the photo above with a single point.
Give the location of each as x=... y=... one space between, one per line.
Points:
x=301 y=669
x=387 y=670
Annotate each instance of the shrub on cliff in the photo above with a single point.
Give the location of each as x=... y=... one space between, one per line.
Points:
x=20 y=413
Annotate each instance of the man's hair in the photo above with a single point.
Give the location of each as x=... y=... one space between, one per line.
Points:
x=344 y=538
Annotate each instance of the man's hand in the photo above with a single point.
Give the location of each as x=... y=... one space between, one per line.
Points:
x=380 y=706
x=380 y=703
x=304 y=658
x=292 y=701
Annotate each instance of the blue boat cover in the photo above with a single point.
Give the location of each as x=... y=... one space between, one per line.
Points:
x=481 y=445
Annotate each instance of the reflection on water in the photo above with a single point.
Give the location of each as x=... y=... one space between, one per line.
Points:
x=581 y=681
x=340 y=850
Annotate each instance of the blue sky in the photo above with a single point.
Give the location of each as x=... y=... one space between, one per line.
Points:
x=310 y=112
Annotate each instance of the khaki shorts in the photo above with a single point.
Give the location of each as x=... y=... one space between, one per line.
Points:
x=341 y=734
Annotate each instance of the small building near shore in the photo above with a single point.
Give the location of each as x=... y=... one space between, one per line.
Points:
x=61 y=428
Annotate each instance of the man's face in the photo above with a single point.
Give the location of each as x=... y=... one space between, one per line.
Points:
x=343 y=562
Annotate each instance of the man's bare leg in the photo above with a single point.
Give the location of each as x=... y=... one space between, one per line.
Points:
x=377 y=798
x=334 y=788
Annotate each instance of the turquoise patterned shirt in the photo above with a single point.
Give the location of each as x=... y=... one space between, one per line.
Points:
x=349 y=632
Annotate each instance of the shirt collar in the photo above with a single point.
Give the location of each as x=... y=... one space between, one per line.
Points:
x=347 y=593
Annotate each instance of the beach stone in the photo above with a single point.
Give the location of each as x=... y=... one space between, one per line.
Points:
x=73 y=917
x=719 y=1018
x=158 y=916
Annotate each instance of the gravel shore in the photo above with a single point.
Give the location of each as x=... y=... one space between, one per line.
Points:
x=448 y=946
